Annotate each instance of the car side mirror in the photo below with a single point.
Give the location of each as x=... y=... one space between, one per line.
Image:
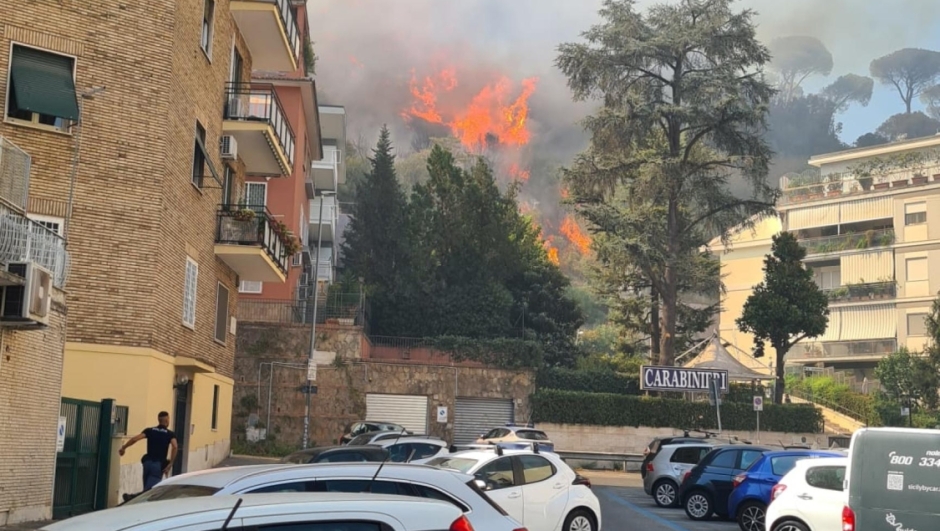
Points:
x=481 y=484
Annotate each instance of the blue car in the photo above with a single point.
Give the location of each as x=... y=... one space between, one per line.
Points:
x=751 y=495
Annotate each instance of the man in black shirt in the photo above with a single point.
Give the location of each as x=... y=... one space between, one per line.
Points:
x=159 y=440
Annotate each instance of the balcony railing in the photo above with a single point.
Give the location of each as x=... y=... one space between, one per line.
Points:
x=863 y=292
x=14 y=174
x=842 y=349
x=286 y=14
x=335 y=308
x=848 y=242
x=236 y=226
x=811 y=185
x=24 y=240
x=259 y=103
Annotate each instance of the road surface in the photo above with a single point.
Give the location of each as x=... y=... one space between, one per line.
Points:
x=629 y=509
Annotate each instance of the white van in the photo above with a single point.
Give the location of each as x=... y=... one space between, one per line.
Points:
x=893 y=480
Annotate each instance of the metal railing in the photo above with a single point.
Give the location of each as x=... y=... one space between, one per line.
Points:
x=252 y=225
x=859 y=416
x=259 y=103
x=863 y=292
x=343 y=308
x=14 y=174
x=810 y=185
x=24 y=240
x=286 y=14
x=842 y=349
x=847 y=242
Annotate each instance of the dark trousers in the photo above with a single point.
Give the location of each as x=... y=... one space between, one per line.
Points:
x=153 y=474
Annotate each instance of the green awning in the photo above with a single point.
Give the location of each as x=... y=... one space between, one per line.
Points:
x=42 y=83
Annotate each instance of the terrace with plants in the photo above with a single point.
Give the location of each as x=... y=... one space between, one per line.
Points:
x=848 y=241
x=860 y=291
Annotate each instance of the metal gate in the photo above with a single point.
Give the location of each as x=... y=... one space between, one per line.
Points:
x=474 y=416
x=410 y=411
x=78 y=467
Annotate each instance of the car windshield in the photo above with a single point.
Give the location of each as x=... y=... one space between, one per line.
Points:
x=454 y=463
x=532 y=435
x=361 y=440
x=300 y=458
x=780 y=465
x=173 y=492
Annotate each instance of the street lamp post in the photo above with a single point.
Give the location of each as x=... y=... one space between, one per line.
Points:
x=311 y=362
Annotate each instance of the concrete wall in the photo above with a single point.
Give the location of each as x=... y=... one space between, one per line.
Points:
x=342 y=385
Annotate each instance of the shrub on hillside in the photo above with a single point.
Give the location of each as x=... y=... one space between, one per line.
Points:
x=591 y=381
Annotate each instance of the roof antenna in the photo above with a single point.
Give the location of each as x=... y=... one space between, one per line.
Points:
x=231 y=513
x=388 y=456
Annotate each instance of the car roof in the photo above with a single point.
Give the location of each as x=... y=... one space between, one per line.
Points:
x=480 y=455
x=130 y=516
x=223 y=477
x=823 y=461
x=801 y=451
x=703 y=442
x=428 y=440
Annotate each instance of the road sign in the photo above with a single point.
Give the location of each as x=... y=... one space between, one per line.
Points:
x=60 y=436
x=308 y=389
x=442 y=414
x=682 y=380
x=758 y=403
x=312 y=371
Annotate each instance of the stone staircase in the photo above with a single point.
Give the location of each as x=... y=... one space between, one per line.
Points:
x=834 y=421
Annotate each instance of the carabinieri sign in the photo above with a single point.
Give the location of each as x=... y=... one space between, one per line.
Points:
x=678 y=379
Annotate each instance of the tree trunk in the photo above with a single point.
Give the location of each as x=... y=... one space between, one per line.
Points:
x=670 y=293
x=779 y=382
x=655 y=326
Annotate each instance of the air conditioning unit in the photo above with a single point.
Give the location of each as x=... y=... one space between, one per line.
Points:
x=27 y=306
x=228 y=147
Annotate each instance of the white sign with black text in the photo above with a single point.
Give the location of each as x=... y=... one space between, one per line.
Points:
x=442 y=414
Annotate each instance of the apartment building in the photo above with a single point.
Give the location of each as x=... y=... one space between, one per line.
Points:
x=869 y=219
x=141 y=133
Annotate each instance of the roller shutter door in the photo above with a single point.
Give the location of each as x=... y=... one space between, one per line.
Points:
x=410 y=411
x=474 y=416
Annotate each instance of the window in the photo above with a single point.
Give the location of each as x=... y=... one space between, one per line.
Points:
x=826 y=477
x=250 y=286
x=783 y=464
x=189 y=293
x=535 y=468
x=256 y=195
x=54 y=224
x=221 y=313
x=199 y=156
x=323 y=526
x=398 y=453
x=748 y=457
x=828 y=278
x=724 y=459
x=434 y=494
x=343 y=457
x=237 y=62
x=215 y=407
x=917 y=324
x=173 y=492
x=41 y=89
x=498 y=474
x=916 y=269
x=228 y=183
x=689 y=455
x=915 y=213
x=424 y=450
x=208 y=13
x=359 y=485
x=532 y=435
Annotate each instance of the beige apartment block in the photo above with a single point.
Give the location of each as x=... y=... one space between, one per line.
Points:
x=870 y=221
x=134 y=187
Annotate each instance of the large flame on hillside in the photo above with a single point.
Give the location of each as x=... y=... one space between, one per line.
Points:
x=494 y=111
x=575 y=235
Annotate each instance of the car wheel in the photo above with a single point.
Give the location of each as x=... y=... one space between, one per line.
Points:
x=579 y=520
x=698 y=506
x=790 y=525
x=665 y=493
x=751 y=516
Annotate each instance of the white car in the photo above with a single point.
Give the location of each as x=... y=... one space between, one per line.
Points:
x=538 y=489
x=809 y=497
x=460 y=490
x=324 y=512
x=416 y=450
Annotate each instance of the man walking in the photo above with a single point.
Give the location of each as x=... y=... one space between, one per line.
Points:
x=159 y=440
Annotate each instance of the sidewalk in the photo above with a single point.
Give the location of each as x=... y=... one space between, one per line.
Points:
x=27 y=526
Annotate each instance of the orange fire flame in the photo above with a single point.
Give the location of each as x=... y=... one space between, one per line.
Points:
x=518 y=174
x=575 y=235
x=551 y=250
x=564 y=193
x=491 y=112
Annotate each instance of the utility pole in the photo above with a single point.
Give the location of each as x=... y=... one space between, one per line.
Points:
x=311 y=362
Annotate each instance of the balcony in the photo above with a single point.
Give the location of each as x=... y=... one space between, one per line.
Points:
x=325 y=267
x=328 y=221
x=271 y=32
x=811 y=186
x=255 y=245
x=14 y=175
x=24 y=240
x=325 y=172
x=255 y=117
x=842 y=350
x=848 y=242
x=863 y=292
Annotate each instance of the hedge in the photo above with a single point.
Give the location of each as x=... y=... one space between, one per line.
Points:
x=588 y=381
x=607 y=409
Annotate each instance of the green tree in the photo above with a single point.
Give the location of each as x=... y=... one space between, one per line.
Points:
x=849 y=88
x=909 y=379
x=684 y=102
x=358 y=167
x=909 y=125
x=786 y=307
x=797 y=57
x=911 y=71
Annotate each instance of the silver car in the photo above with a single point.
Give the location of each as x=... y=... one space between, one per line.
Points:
x=665 y=472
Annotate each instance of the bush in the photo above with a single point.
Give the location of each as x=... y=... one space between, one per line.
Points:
x=840 y=397
x=608 y=409
x=593 y=381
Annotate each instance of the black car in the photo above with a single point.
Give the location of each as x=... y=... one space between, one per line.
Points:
x=367 y=426
x=653 y=448
x=705 y=489
x=338 y=454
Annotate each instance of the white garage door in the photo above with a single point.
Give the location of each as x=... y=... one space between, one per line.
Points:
x=411 y=411
x=475 y=416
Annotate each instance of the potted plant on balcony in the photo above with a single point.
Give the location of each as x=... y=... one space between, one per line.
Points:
x=244 y=214
x=865 y=181
x=882 y=184
x=290 y=244
x=918 y=178
x=899 y=183
x=834 y=185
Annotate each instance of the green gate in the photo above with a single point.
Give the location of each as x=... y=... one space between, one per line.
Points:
x=81 y=468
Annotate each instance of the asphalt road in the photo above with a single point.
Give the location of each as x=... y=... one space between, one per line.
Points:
x=629 y=509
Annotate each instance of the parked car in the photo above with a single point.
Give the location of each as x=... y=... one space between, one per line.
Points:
x=668 y=467
x=809 y=497
x=413 y=449
x=270 y=512
x=377 y=436
x=338 y=454
x=649 y=453
x=705 y=489
x=751 y=495
x=517 y=437
x=419 y=481
x=537 y=489
x=369 y=426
